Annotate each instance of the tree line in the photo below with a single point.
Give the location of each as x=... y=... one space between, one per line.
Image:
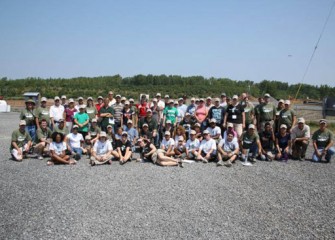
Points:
x=174 y=85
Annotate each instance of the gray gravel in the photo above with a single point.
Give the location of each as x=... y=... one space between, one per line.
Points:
x=142 y=201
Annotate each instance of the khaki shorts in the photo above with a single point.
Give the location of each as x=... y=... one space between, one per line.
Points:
x=155 y=155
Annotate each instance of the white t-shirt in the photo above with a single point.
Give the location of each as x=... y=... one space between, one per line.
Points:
x=58 y=147
x=214 y=131
x=229 y=146
x=206 y=146
x=190 y=145
x=75 y=139
x=56 y=112
x=167 y=144
x=102 y=147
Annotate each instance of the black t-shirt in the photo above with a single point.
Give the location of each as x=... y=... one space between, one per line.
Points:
x=217 y=113
x=123 y=146
x=266 y=140
x=234 y=114
x=146 y=149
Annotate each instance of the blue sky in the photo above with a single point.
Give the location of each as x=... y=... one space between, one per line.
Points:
x=238 y=39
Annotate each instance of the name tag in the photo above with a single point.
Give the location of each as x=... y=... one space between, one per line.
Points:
x=234 y=117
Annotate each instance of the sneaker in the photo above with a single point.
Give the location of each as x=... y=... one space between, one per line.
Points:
x=252 y=160
x=204 y=160
x=77 y=156
x=246 y=163
x=228 y=163
x=180 y=163
x=40 y=157
x=219 y=163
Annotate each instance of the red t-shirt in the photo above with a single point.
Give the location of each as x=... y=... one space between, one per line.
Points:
x=142 y=109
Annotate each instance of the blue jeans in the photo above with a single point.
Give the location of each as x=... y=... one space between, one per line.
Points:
x=78 y=150
x=32 y=132
x=329 y=154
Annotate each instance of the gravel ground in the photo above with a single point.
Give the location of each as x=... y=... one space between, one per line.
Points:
x=142 y=201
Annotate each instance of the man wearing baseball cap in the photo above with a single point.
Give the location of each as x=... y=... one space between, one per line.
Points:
x=267 y=113
x=323 y=141
x=75 y=141
x=118 y=107
x=191 y=108
x=29 y=115
x=300 y=136
x=102 y=151
x=235 y=114
x=42 y=112
x=223 y=102
x=61 y=128
x=217 y=112
x=63 y=101
x=21 y=142
x=152 y=125
x=287 y=116
x=250 y=143
x=111 y=99
x=170 y=113
x=207 y=149
x=56 y=112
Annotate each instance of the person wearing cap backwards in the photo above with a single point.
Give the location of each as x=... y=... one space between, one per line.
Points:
x=56 y=113
x=82 y=119
x=94 y=131
x=192 y=146
x=249 y=143
x=214 y=130
x=283 y=143
x=223 y=100
x=106 y=115
x=21 y=142
x=118 y=107
x=168 y=144
x=127 y=114
x=201 y=113
x=207 y=149
x=42 y=112
x=323 y=141
x=102 y=151
x=111 y=99
x=132 y=134
x=268 y=139
x=300 y=135
x=58 y=151
x=123 y=148
x=43 y=139
x=90 y=109
x=170 y=113
x=63 y=103
x=235 y=114
x=80 y=103
x=217 y=112
x=68 y=114
x=29 y=115
x=228 y=150
x=267 y=113
x=74 y=142
x=287 y=116
x=61 y=128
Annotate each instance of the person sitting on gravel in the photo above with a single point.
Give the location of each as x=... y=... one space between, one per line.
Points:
x=21 y=142
x=267 y=138
x=249 y=143
x=42 y=112
x=207 y=149
x=283 y=143
x=132 y=134
x=168 y=144
x=87 y=146
x=214 y=130
x=192 y=146
x=323 y=141
x=102 y=151
x=61 y=128
x=228 y=150
x=147 y=150
x=300 y=135
x=57 y=151
x=94 y=131
x=123 y=147
x=43 y=139
x=75 y=141
x=180 y=149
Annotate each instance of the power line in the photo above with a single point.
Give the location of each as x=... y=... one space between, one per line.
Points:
x=316 y=46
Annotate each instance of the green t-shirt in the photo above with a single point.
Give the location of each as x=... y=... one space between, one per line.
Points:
x=286 y=117
x=43 y=133
x=249 y=111
x=171 y=113
x=81 y=118
x=91 y=111
x=267 y=112
x=248 y=140
x=28 y=116
x=105 y=120
x=94 y=130
x=20 y=138
x=323 y=138
x=64 y=131
x=43 y=113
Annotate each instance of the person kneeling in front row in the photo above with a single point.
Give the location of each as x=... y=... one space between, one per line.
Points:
x=323 y=140
x=228 y=150
x=21 y=142
x=102 y=151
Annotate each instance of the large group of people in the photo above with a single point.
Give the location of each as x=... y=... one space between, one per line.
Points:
x=167 y=132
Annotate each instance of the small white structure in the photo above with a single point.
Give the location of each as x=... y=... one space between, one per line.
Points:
x=4 y=107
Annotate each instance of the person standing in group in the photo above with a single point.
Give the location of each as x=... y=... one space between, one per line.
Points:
x=223 y=102
x=42 y=112
x=181 y=110
x=90 y=109
x=267 y=113
x=21 y=142
x=142 y=107
x=111 y=99
x=80 y=103
x=56 y=112
x=217 y=112
x=249 y=111
x=257 y=110
x=29 y=115
x=69 y=113
x=82 y=119
x=235 y=114
x=300 y=135
x=118 y=107
x=323 y=141
x=127 y=114
x=287 y=116
x=106 y=115
x=98 y=106
x=170 y=113
x=191 y=108
x=201 y=114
